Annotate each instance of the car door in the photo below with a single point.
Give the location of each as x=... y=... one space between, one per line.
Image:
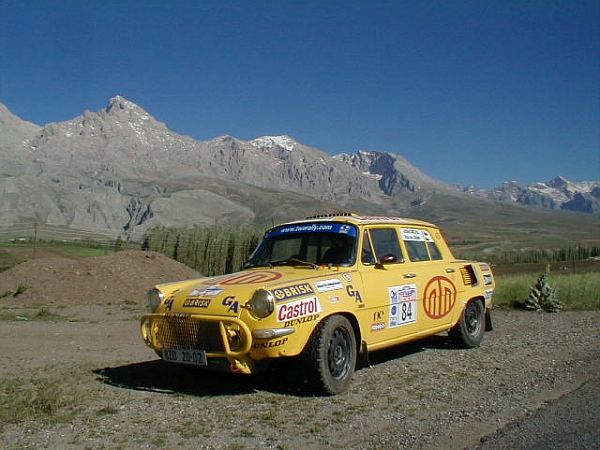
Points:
x=407 y=288
x=432 y=275
x=389 y=296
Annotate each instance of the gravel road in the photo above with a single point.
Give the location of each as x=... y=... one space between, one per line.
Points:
x=112 y=392
x=83 y=379
x=568 y=423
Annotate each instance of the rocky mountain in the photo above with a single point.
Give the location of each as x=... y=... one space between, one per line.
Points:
x=558 y=193
x=119 y=169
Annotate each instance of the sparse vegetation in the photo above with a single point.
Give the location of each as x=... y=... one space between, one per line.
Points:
x=20 y=289
x=42 y=314
x=577 y=291
x=38 y=399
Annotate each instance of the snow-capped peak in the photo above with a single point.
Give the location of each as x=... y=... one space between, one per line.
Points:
x=271 y=141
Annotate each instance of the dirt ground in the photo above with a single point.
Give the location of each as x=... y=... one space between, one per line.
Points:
x=75 y=374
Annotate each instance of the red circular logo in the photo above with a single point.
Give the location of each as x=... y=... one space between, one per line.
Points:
x=439 y=297
x=253 y=277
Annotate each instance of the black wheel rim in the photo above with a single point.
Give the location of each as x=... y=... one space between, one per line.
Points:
x=339 y=353
x=473 y=318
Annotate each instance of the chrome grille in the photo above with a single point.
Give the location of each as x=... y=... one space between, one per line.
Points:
x=187 y=333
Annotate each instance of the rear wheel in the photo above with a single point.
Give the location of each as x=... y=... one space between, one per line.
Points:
x=469 y=330
x=329 y=359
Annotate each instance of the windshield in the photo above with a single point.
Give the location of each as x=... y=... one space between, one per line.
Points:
x=307 y=243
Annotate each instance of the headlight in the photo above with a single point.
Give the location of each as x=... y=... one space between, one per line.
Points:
x=261 y=304
x=155 y=297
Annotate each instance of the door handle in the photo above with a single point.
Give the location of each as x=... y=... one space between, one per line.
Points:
x=410 y=275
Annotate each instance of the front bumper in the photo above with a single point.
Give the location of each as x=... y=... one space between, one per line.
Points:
x=219 y=337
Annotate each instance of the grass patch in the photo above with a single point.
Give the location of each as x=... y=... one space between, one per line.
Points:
x=8 y=260
x=37 y=399
x=20 y=289
x=42 y=314
x=577 y=292
x=84 y=252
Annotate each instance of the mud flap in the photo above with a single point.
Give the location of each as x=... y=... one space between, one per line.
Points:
x=488 y=320
x=362 y=359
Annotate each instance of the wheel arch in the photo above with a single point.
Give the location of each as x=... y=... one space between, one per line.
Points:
x=488 y=313
x=362 y=353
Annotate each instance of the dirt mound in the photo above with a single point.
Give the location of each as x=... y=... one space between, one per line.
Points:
x=112 y=279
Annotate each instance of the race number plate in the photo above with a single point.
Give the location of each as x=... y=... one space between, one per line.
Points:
x=182 y=356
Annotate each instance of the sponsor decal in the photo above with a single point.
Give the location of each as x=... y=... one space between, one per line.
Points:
x=378 y=326
x=301 y=320
x=488 y=294
x=211 y=291
x=403 y=301
x=439 y=297
x=342 y=228
x=196 y=302
x=488 y=279
x=427 y=236
x=334 y=299
x=379 y=219
x=232 y=303
x=292 y=291
x=168 y=304
x=263 y=276
x=297 y=309
x=179 y=316
x=328 y=285
x=347 y=277
x=377 y=316
x=412 y=234
x=270 y=344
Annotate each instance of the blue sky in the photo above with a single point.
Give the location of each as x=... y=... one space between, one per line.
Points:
x=468 y=91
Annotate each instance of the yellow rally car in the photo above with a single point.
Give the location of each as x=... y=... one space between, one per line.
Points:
x=327 y=290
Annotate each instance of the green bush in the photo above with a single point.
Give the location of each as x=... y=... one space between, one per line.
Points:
x=542 y=296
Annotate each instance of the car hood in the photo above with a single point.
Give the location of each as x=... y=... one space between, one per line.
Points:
x=225 y=295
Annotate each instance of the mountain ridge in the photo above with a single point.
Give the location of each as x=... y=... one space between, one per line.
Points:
x=121 y=169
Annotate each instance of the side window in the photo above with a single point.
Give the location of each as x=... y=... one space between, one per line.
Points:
x=416 y=244
x=433 y=250
x=385 y=242
x=366 y=256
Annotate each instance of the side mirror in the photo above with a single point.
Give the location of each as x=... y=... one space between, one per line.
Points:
x=388 y=258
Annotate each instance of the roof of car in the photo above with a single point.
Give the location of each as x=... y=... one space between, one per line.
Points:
x=364 y=220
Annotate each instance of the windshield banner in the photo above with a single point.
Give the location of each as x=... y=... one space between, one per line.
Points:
x=342 y=228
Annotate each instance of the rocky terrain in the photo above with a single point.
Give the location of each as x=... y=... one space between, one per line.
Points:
x=76 y=374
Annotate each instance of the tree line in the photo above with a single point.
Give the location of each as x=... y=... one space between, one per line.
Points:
x=211 y=250
x=219 y=249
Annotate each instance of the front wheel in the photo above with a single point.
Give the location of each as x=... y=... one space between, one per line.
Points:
x=330 y=356
x=469 y=330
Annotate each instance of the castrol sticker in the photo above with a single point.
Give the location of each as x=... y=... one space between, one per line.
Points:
x=297 y=309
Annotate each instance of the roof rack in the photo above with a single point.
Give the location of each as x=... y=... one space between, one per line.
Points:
x=323 y=216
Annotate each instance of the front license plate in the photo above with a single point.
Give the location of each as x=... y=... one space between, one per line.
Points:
x=193 y=357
